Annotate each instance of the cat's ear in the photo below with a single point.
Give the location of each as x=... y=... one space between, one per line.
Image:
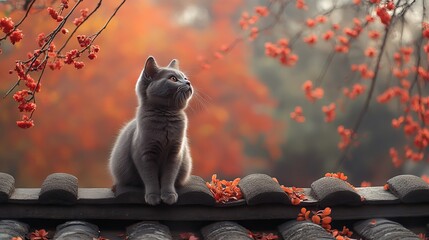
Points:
x=174 y=64
x=150 y=68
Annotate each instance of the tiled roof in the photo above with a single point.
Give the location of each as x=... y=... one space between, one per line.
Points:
x=400 y=212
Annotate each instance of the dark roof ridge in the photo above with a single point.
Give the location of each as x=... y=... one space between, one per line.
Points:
x=59 y=197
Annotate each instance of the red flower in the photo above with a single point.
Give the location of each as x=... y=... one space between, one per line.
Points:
x=383 y=15
x=224 y=191
x=95 y=48
x=356 y=91
x=254 y=33
x=300 y=4
x=261 y=11
x=370 y=52
x=395 y=158
x=329 y=112
x=328 y=35
x=27 y=107
x=71 y=55
x=310 y=22
x=16 y=36
x=92 y=56
x=390 y=5
x=20 y=95
x=311 y=39
x=297 y=115
x=281 y=51
x=84 y=12
x=6 y=24
x=26 y=122
x=310 y=93
x=321 y=19
x=83 y=40
x=338 y=175
x=369 y=18
x=83 y=15
x=79 y=65
x=295 y=194
x=53 y=13
x=396 y=123
x=65 y=3
x=351 y=32
x=341 y=48
x=346 y=137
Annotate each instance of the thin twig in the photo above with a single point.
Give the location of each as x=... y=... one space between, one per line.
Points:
x=20 y=21
x=77 y=27
x=368 y=98
x=108 y=21
x=43 y=48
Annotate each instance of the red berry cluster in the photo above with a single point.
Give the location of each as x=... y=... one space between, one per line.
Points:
x=346 y=137
x=83 y=15
x=383 y=12
x=46 y=55
x=281 y=51
x=8 y=27
x=54 y=14
x=311 y=93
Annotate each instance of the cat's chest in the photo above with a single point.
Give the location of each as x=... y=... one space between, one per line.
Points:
x=173 y=131
x=164 y=131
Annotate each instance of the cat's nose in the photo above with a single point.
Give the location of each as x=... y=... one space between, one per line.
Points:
x=188 y=82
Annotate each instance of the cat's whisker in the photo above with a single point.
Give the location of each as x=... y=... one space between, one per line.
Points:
x=200 y=102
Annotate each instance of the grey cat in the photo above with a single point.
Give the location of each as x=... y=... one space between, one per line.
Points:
x=152 y=150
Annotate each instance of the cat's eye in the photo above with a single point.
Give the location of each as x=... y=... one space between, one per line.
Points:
x=173 y=78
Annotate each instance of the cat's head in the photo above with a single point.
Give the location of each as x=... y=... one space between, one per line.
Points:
x=164 y=87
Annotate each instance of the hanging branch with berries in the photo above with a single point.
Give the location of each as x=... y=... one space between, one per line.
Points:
x=30 y=71
x=375 y=23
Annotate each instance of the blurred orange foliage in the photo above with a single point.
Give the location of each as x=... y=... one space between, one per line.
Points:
x=80 y=111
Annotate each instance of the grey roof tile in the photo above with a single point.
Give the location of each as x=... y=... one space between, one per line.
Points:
x=225 y=230
x=297 y=230
x=377 y=195
x=12 y=228
x=59 y=188
x=195 y=192
x=96 y=196
x=7 y=187
x=409 y=188
x=148 y=230
x=76 y=230
x=333 y=191
x=382 y=229
x=262 y=189
x=129 y=194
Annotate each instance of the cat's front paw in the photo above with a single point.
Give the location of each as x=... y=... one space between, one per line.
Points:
x=169 y=197
x=152 y=199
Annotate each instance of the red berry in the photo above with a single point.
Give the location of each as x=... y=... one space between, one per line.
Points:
x=16 y=36
x=92 y=56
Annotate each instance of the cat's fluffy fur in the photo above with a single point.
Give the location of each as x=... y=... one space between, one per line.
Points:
x=152 y=150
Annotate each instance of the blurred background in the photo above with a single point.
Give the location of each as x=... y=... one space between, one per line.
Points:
x=239 y=118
